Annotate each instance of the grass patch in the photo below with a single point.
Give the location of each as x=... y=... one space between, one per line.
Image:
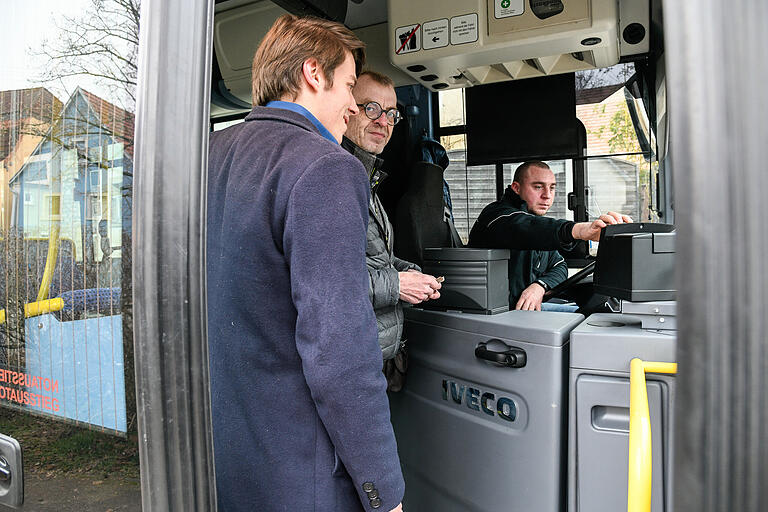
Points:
x=54 y=448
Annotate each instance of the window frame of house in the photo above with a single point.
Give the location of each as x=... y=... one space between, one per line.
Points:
x=51 y=213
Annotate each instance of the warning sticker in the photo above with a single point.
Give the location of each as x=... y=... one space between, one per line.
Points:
x=464 y=29
x=508 y=8
x=435 y=34
x=407 y=39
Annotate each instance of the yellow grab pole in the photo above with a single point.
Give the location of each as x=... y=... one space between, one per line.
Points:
x=40 y=307
x=43 y=306
x=50 y=262
x=640 y=456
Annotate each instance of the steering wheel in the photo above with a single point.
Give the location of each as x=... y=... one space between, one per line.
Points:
x=571 y=281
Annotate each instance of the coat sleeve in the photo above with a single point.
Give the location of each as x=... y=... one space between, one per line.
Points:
x=324 y=243
x=557 y=270
x=384 y=283
x=383 y=287
x=402 y=265
x=516 y=229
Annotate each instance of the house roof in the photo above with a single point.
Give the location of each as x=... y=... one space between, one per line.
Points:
x=596 y=94
x=37 y=102
x=119 y=122
x=18 y=108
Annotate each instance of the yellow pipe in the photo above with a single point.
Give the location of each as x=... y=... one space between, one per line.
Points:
x=640 y=456
x=50 y=262
x=38 y=308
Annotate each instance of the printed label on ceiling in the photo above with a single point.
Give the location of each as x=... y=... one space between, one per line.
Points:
x=407 y=39
x=508 y=8
x=464 y=29
x=435 y=34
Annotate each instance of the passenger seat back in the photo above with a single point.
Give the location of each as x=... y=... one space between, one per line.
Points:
x=422 y=219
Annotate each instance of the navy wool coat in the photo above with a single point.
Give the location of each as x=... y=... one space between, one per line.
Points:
x=300 y=414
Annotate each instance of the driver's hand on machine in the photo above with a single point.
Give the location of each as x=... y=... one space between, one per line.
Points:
x=416 y=287
x=591 y=230
x=530 y=299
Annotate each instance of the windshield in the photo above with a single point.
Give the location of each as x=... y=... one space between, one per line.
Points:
x=620 y=167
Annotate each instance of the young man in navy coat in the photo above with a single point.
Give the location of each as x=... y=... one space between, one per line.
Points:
x=300 y=414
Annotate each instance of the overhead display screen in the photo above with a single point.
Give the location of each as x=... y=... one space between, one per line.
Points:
x=519 y=120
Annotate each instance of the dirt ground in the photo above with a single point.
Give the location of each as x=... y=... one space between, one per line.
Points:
x=72 y=493
x=68 y=468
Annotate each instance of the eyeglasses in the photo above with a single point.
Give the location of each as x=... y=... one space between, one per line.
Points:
x=373 y=111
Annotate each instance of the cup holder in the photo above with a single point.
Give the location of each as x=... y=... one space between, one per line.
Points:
x=606 y=323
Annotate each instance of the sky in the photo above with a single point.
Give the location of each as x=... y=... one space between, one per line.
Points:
x=23 y=26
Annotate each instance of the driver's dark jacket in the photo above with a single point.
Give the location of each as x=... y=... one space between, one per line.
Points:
x=533 y=242
x=383 y=265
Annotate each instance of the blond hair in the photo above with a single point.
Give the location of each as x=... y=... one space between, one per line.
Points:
x=277 y=64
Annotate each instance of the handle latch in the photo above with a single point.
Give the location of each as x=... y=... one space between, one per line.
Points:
x=498 y=352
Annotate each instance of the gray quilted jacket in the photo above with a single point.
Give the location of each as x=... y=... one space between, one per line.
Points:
x=383 y=266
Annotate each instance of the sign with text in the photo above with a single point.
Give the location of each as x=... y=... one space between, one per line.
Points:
x=464 y=29
x=435 y=34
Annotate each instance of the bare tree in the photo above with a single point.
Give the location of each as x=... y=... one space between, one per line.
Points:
x=101 y=43
x=591 y=78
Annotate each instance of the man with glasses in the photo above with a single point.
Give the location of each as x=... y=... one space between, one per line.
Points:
x=391 y=280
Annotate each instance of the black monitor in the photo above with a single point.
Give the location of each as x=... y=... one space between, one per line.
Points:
x=518 y=120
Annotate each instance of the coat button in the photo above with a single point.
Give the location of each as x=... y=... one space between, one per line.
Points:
x=373 y=494
x=368 y=486
x=375 y=503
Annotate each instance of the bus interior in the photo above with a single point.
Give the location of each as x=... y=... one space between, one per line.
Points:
x=649 y=108
x=576 y=84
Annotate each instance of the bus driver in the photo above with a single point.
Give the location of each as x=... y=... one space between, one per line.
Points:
x=516 y=222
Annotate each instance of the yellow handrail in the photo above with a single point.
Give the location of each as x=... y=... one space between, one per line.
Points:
x=50 y=262
x=639 y=482
x=38 y=308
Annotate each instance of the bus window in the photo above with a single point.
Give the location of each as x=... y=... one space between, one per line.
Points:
x=473 y=187
x=451 y=109
x=67 y=103
x=620 y=162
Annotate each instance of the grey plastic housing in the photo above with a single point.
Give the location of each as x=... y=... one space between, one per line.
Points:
x=636 y=262
x=653 y=315
x=476 y=280
x=598 y=424
x=11 y=472
x=457 y=457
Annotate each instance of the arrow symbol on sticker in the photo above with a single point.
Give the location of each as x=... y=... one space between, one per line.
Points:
x=435 y=39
